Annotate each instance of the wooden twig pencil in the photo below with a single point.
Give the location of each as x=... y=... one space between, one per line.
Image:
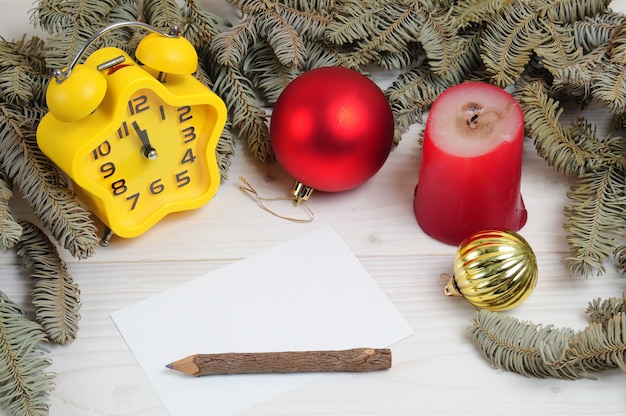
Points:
x=353 y=360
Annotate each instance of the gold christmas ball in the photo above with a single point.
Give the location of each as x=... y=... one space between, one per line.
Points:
x=494 y=270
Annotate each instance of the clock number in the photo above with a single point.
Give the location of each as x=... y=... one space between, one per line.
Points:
x=133 y=198
x=138 y=104
x=189 y=133
x=108 y=169
x=102 y=150
x=119 y=187
x=156 y=187
x=162 y=112
x=123 y=130
x=188 y=157
x=184 y=114
x=182 y=178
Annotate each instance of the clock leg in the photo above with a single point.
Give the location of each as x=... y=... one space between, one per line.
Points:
x=106 y=238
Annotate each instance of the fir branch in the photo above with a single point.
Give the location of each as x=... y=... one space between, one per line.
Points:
x=162 y=13
x=509 y=41
x=610 y=87
x=415 y=91
x=57 y=15
x=252 y=6
x=226 y=144
x=10 y=230
x=601 y=153
x=320 y=54
x=600 y=346
x=392 y=61
x=23 y=74
x=552 y=141
x=569 y=11
x=230 y=46
x=124 y=11
x=225 y=149
x=56 y=297
x=561 y=50
x=595 y=219
x=386 y=27
x=316 y=6
x=600 y=311
x=25 y=384
x=282 y=37
x=352 y=21
x=437 y=38
x=618 y=43
x=595 y=31
x=475 y=12
x=310 y=23
x=42 y=185
x=545 y=351
x=620 y=255
x=266 y=72
x=201 y=27
x=412 y=93
x=577 y=80
x=247 y=117
x=71 y=23
x=521 y=347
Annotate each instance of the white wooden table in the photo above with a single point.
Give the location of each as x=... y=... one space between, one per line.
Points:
x=438 y=370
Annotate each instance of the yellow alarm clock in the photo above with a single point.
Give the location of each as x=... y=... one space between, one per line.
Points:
x=138 y=139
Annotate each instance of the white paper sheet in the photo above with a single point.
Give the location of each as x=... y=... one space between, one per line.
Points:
x=310 y=293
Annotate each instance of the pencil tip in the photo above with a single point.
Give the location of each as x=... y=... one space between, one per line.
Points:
x=169 y=366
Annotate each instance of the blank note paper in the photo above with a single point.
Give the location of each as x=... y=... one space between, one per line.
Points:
x=310 y=293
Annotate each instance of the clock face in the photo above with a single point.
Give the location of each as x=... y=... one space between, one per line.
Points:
x=155 y=158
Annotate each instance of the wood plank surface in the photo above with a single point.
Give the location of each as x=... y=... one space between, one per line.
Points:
x=438 y=370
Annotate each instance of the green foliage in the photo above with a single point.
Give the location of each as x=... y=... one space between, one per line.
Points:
x=595 y=219
x=72 y=22
x=10 y=230
x=41 y=184
x=252 y=61
x=25 y=384
x=620 y=254
x=545 y=351
x=595 y=214
x=578 y=49
x=56 y=297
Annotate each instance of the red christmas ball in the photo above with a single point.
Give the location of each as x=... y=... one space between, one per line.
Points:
x=332 y=129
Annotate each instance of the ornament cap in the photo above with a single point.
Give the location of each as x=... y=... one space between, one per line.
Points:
x=451 y=288
x=301 y=192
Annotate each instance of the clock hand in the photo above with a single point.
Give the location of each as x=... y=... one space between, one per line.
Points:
x=147 y=149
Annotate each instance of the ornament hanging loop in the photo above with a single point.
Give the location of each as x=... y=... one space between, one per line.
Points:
x=260 y=201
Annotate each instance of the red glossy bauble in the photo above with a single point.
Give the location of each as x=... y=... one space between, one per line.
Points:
x=332 y=129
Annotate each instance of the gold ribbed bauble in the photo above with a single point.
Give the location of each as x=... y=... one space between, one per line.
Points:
x=494 y=270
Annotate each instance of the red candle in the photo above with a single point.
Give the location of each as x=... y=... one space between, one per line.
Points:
x=469 y=176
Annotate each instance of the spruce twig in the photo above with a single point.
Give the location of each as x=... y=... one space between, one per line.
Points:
x=10 y=230
x=25 y=384
x=56 y=297
x=545 y=351
x=42 y=185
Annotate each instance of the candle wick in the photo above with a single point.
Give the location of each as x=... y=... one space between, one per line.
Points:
x=472 y=123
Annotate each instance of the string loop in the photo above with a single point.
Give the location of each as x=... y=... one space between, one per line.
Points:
x=260 y=201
